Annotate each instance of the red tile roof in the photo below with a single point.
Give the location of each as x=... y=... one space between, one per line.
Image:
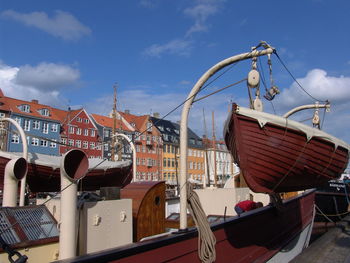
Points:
x=13 y=105
x=108 y=122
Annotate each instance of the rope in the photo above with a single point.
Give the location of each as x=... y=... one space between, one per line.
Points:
x=296 y=81
x=206 y=238
x=324 y=214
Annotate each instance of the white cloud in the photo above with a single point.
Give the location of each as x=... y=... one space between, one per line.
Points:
x=200 y=13
x=47 y=76
x=63 y=24
x=320 y=85
x=177 y=46
x=183 y=46
x=29 y=82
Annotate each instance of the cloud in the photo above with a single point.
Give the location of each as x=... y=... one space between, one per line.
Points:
x=47 y=76
x=177 y=46
x=320 y=85
x=200 y=13
x=43 y=82
x=182 y=46
x=62 y=24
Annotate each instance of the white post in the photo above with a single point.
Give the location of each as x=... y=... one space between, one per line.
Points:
x=133 y=154
x=25 y=156
x=184 y=123
x=15 y=170
x=74 y=165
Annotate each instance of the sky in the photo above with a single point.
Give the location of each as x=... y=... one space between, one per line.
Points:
x=72 y=53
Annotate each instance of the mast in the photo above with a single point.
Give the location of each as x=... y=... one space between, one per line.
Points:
x=214 y=149
x=114 y=115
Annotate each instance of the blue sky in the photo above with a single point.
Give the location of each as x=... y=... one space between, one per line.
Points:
x=70 y=53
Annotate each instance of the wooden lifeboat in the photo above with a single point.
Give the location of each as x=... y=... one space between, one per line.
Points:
x=277 y=155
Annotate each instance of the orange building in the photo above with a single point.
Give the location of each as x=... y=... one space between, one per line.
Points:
x=148 y=144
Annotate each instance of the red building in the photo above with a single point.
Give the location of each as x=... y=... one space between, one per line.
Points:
x=79 y=132
x=149 y=147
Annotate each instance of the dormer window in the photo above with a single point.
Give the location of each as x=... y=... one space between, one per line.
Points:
x=45 y=112
x=177 y=131
x=25 y=108
x=161 y=128
x=133 y=124
x=149 y=126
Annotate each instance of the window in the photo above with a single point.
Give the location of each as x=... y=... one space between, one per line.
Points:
x=78 y=119
x=172 y=162
x=106 y=133
x=78 y=131
x=54 y=127
x=15 y=138
x=43 y=143
x=85 y=144
x=45 y=128
x=86 y=132
x=71 y=142
x=137 y=161
x=63 y=140
x=92 y=145
x=53 y=144
x=92 y=133
x=78 y=143
x=26 y=125
x=45 y=112
x=71 y=129
x=25 y=108
x=86 y=120
x=35 y=141
x=36 y=125
x=105 y=146
x=149 y=126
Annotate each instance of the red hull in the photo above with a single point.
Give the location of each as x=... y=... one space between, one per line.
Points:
x=238 y=239
x=274 y=158
x=41 y=178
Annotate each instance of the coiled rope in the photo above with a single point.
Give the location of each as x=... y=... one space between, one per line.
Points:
x=206 y=238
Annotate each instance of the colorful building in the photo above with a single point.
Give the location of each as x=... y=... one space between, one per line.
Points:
x=105 y=125
x=79 y=132
x=39 y=122
x=149 y=147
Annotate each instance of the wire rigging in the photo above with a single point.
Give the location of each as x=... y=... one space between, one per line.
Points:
x=296 y=81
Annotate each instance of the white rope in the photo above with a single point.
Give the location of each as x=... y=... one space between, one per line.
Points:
x=206 y=238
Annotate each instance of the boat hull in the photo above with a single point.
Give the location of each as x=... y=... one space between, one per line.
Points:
x=43 y=178
x=274 y=158
x=256 y=236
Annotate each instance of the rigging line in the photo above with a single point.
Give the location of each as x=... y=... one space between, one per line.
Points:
x=296 y=81
x=264 y=83
x=324 y=117
x=210 y=94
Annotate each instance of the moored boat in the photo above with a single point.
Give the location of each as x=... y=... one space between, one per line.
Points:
x=276 y=154
x=44 y=172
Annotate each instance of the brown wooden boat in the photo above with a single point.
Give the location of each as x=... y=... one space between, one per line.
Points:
x=280 y=238
x=44 y=173
x=276 y=154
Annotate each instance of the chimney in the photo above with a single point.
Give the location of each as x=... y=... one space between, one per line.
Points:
x=127 y=111
x=35 y=101
x=156 y=115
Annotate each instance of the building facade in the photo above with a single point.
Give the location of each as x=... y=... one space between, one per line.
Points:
x=79 y=132
x=41 y=127
x=149 y=147
x=105 y=125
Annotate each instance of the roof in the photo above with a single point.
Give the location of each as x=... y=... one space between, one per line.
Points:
x=172 y=130
x=13 y=105
x=106 y=121
x=138 y=121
